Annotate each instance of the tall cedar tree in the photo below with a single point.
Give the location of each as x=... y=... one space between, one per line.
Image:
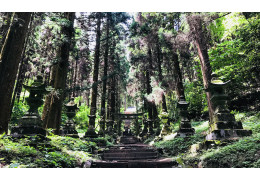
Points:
x=53 y=104
x=10 y=58
x=198 y=31
x=103 y=100
x=93 y=106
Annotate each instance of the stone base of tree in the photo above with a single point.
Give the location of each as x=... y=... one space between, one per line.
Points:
x=223 y=134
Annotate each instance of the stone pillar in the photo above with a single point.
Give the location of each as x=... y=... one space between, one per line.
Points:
x=185 y=125
x=223 y=125
x=31 y=124
x=69 y=127
x=91 y=129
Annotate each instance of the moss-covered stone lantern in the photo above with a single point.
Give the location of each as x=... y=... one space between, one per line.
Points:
x=31 y=124
x=166 y=129
x=223 y=124
x=91 y=133
x=145 y=128
x=69 y=127
x=185 y=125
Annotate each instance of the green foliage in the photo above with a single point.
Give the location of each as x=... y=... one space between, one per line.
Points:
x=55 y=159
x=81 y=118
x=236 y=58
x=19 y=109
x=195 y=95
x=244 y=153
x=72 y=144
x=251 y=120
x=30 y=152
x=178 y=145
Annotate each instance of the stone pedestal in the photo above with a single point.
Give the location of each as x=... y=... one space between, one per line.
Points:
x=185 y=125
x=31 y=124
x=91 y=129
x=69 y=127
x=223 y=124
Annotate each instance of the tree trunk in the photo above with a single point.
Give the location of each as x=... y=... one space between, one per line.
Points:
x=178 y=76
x=195 y=23
x=164 y=106
x=93 y=107
x=10 y=58
x=53 y=103
x=4 y=29
x=75 y=78
x=103 y=100
x=148 y=86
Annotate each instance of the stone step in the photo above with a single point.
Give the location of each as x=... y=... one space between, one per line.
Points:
x=149 y=163
x=130 y=156
x=128 y=140
x=128 y=150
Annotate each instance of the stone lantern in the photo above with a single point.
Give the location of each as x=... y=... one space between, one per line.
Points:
x=110 y=130
x=166 y=125
x=145 y=128
x=69 y=127
x=31 y=124
x=91 y=129
x=185 y=125
x=150 y=127
x=223 y=124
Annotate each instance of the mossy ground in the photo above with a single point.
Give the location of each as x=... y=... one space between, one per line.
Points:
x=57 y=152
x=244 y=152
x=72 y=152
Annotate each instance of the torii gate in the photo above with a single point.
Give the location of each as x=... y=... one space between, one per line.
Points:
x=127 y=117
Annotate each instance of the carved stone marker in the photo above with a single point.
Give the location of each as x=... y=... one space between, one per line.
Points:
x=69 y=127
x=185 y=125
x=223 y=125
x=31 y=124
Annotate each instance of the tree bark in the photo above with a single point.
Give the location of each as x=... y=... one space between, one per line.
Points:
x=10 y=58
x=93 y=107
x=149 y=89
x=53 y=103
x=4 y=29
x=195 y=23
x=178 y=76
x=103 y=99
x=164 y=106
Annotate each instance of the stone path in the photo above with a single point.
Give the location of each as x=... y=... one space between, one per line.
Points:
x=131 y=154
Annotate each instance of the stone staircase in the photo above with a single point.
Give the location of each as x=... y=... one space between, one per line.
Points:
x=132 y=155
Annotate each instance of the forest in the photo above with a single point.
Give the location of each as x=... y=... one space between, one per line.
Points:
x=129 y=90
